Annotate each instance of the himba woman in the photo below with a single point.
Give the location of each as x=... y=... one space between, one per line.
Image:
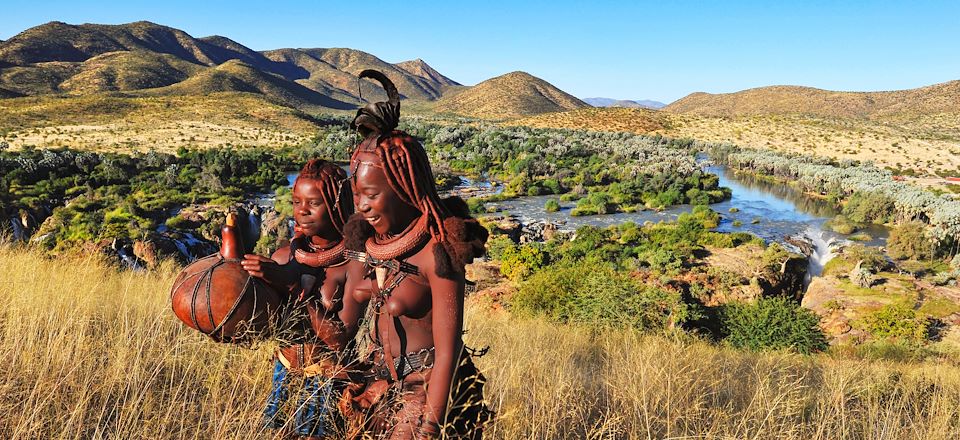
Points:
x=318 y=326
x=422 y=382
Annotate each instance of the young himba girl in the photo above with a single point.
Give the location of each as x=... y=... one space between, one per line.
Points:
x=310 y=370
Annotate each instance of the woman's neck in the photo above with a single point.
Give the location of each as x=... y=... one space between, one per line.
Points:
x=325 y=241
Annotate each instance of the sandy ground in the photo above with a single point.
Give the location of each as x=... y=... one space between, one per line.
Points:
x=167 y=136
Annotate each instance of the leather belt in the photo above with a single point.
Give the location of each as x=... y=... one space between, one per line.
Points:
x=405 y=365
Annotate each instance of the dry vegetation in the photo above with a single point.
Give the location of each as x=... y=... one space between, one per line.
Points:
x=927 y=144
x=96 y=353
x=164 y=123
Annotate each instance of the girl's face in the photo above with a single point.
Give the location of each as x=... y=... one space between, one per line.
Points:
x=309 y=209
x=376 y=201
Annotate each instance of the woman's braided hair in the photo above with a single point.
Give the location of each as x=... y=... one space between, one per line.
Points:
x=331 y=180
x=407 y=168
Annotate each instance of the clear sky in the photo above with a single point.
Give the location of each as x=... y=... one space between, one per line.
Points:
x=627 y=50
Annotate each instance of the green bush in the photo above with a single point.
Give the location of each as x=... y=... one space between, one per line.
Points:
x=497 y=246
x=594 y=294
x=897 y=322
x=872 y=207
x=842 y=225
x=871 y=257
x=909 y=241
x=517 y=263
x=551 y=206
x=772 y=324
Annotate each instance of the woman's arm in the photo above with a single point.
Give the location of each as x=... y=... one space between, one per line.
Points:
x=447 y=330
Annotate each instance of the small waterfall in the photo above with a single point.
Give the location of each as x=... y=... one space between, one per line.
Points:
x=822 y=251
x=19 y=234
x=129 y=260
x=254 y=219
x=191 y=240
x=183 y=249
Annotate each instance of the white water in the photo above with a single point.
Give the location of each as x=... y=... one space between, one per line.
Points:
x=254 y=220
x=18 y=233
x=183 y=249
x=824 y=247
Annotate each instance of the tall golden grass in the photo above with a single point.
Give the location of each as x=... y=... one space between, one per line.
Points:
x=92 y=352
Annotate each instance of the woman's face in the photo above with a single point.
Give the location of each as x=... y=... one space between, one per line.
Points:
x=309 y=209
x=377 y=202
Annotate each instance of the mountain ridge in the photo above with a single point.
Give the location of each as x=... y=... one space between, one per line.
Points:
x=810 y=101
x=512 y=95
x=55 y=58
x=624 y=103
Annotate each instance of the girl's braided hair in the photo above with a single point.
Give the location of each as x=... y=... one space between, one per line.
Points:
x=331 y=180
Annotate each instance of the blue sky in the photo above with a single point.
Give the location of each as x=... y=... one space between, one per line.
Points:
x=630 y=50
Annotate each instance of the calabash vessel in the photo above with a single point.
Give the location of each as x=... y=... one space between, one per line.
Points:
x=215 y=296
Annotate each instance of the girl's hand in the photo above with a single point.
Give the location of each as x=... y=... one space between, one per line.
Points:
x=261 y=267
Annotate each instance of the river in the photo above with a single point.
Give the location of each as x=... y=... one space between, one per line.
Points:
x=772 y=211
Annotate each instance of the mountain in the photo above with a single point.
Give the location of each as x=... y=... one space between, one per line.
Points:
x=335 y=71
x=144 y=60
x=57 y=58
x=786 y=100
x=127 y=71
x=514 y=95
x=354 y=61
x=58 y=41
x=421 y=69
x=237 y=76
x=624 y=103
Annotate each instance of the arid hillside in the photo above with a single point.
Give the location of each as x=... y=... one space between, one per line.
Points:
x=513 y=95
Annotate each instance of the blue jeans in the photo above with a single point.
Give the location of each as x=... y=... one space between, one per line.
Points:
x=315 y=413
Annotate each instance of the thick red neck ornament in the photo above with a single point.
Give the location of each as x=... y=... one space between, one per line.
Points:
x=401 y=245
x=321 y=257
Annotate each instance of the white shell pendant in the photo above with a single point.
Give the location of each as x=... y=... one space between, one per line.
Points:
x=381 y=276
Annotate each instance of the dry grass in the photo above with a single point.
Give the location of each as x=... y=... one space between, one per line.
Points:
x=96 y=353
x=125 y=124
x=927 y=144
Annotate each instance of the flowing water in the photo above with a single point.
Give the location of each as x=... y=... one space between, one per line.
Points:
x=772 y=211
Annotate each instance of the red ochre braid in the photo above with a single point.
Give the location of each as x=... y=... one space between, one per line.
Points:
x=331 y=180
x=407 y=168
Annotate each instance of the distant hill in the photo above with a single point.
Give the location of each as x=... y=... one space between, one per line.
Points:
x=59 y=58
x=785 y=100
x=237 y=76
x=336 y=70
x=514 y=95
x=624 y=103
x=58 y=41
x=127 y=71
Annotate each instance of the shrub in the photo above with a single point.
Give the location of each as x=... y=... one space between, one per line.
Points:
x=861 y=277
x=842 y=225
x=909 y=240
x=871 y=258
x=594 y=294
x=551 y=206
x=897 y=322
x=872 y=207
x=518 y=263
x=497 y=246
x=772 y=324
